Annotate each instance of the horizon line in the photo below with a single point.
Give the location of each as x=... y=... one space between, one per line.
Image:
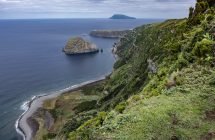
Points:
x=80 y=18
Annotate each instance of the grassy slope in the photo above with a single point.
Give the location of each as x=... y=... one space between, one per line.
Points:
x=173 y=100
x=69 y=111
x=185 y=112
x=163 y=86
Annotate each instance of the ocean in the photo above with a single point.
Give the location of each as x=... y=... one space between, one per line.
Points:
x=32 y=62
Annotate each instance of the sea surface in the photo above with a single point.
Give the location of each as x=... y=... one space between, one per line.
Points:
x=32 y=62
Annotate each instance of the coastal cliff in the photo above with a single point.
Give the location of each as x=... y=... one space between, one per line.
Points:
x=79 y=46
x=162 y=87
x=109 y=33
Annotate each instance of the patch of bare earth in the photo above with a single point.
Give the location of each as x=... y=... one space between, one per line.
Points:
x=210 y=115
x=209 y=136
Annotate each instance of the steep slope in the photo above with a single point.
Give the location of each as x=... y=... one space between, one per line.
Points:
x=166 y=72
x=163 y=85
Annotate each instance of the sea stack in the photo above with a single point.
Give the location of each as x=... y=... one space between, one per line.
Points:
x=78 y=45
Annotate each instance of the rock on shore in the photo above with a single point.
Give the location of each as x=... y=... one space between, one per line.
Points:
x=109 y=33
x=78 y=45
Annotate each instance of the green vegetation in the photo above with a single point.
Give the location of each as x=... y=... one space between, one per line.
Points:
x=69 y=111
x=181 y=112
x=162 y=86
x=120 y=107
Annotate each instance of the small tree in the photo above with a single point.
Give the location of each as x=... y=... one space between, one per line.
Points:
x=191 y=12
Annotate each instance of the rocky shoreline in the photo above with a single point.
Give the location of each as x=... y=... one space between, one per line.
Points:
x=27 y=125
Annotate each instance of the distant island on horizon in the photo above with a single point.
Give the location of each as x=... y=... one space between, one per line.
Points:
x=121 y=16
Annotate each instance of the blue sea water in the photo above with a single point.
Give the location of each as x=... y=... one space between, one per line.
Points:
x=32 y=62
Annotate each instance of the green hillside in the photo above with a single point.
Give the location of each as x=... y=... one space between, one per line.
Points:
x=162 y=87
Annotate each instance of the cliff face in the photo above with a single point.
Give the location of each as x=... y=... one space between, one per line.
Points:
x=79 y=46
x=162 y=86
x=109 y=33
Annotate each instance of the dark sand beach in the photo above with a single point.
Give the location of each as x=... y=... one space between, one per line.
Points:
x=27 y=126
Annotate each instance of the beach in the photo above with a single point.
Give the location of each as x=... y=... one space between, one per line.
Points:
x=26 y=126
x=33 y=62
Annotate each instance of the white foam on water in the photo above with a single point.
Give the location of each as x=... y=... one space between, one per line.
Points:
x=26 y=105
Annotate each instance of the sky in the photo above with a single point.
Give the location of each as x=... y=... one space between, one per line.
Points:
x=24 y=9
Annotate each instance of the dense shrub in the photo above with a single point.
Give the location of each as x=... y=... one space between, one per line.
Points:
x=49 y=136
x=85 y=106
x=203 y=48
x=56 y=112
x=211 y=2
x=120 y=107
x=210 y=17
x=119 y=63
x=136 y=97
x=70 y=126
x=181 y=63
x=196 y=15
x=189 y=57
x=97 y=121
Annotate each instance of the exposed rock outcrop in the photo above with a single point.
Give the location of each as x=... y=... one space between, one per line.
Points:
x=78 y=45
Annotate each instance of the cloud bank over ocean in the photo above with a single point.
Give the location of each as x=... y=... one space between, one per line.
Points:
x=93 y=8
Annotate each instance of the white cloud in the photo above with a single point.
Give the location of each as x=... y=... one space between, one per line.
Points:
x=94 y=8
